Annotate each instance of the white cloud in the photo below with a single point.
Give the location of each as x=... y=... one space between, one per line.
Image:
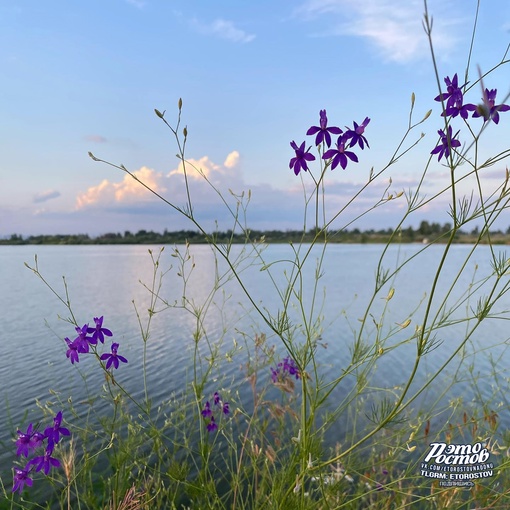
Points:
x=394 y=27
x=197 y=169
x=128 y=190
x=126 y=204
x=224 y=29
x=232 y=160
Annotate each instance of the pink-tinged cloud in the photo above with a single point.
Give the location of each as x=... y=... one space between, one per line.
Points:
x=44 y=196
x=201 y=173
x=198 y=169
x=127 y=191
x=126 y=203
x=268 y=208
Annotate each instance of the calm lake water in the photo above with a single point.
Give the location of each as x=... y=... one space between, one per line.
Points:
x=105 y=280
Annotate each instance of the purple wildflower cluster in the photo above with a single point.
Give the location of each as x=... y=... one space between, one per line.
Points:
x=29 y=442
x=88 y=336
x=285 y=368
x=207 y=411
x=338 y=155
x=454 y=106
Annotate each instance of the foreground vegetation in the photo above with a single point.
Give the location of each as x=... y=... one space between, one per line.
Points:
x=415 y=443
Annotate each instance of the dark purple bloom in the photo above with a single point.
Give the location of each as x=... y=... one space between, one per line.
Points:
x=488 y=109
x=340 y=155
x=113 y=358
x=206 y=411
x=299 y=161
x=323 y=132
x=225 y=408
x=211 y=426
x=82 y=340
x=44 y=462
x=53 y=433
x=455 y=105
x=286 y=367
x=453 y=92
x=217 y=398
x=28 y=440
x=356 y=135
x=21 y=477
x=447 y=142
x=289 y=365
x=98 y=332
x=457 y=108
x=72 y=350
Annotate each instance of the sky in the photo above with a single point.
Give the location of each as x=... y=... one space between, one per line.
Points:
x=87 y=75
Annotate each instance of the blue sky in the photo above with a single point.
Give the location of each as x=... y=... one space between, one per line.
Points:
x=86 y=76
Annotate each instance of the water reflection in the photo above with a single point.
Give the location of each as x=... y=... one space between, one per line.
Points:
x=105 y=280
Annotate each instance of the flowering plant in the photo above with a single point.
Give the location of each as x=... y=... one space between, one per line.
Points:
x=194 y=450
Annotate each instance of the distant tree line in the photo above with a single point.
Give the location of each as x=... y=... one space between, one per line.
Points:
x=426 y=232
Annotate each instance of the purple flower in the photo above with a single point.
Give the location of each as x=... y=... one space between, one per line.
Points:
x=72 y=350
x=289 y=365
x=323 y=132
x=28 y=440
x=53 y=433
x=211 y=426
x=454 y=100
x=113 y=358
x=447 y=142
x=340 y=155
x=488 y=109
x=356 y=134
x=21 y=477
x=206 y=411
x=299 y=161
x=82 y=340
x=286 y=367
x=453 y=92
x=98 y=332
x=44 y=462
x=218 y=402
x=457 y=108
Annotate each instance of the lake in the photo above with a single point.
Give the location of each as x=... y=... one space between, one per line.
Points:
x=105 y=280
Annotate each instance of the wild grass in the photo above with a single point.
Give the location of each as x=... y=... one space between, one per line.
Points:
x=307 y=438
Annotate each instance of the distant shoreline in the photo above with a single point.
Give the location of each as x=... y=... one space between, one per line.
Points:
x=425 y=233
